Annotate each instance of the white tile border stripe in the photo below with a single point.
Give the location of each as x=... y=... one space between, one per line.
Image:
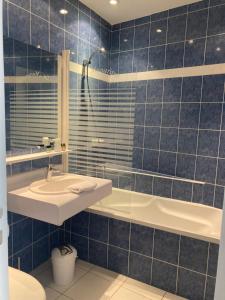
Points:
x=215 y=69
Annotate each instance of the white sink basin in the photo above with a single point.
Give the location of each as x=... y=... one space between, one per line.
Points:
x=56 y=186
x=23 y=286
x=52 y=201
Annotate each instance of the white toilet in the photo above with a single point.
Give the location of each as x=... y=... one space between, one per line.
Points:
x=23 y=286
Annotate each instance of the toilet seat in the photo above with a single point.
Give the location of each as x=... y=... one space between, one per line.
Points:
x=23 y=286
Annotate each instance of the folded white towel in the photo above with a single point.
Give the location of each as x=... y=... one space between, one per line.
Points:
x=85 y=186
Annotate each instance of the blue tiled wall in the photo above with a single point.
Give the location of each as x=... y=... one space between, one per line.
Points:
x=179 y=122
x=31 y=241
x=38 y=22
x=175 y=263
x=179 y=129
x=186 y=36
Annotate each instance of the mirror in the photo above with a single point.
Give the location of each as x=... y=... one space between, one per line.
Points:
x=31 y=96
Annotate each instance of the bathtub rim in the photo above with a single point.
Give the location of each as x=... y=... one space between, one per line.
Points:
x=122 y=217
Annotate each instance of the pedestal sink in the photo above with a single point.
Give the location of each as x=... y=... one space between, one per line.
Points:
x=52 y=201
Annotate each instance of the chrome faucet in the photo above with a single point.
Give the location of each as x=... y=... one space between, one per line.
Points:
x=50 y=170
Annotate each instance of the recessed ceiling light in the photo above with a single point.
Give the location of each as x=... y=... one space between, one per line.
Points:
x=63 y=11
x=159 y=30
x=191 y=41
x=113 y=2
x=218 y=49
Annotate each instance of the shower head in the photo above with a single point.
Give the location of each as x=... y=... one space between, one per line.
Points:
x=86 y=63
x=99 y=50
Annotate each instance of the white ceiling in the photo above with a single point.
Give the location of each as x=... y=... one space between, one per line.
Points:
x=131 y=9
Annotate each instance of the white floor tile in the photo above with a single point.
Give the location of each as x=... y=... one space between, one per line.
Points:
x=93 y=287
x=107 y=274
x=124 y=294
x=143 y=289
x=84 y=265
x=46 y=279
x=51 y=294
x=45 y=266
x=77 y=275
x=169 y=296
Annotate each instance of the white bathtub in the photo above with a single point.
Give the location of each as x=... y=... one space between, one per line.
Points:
x=180 y=217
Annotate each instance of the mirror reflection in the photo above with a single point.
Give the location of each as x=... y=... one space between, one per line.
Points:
x=32 y=96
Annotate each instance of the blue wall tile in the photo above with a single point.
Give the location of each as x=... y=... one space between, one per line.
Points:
x=80 y=223
x=150 y=160
x=154 y=91
x=158 y=33
x=197 y=24
x=141 y=37
x=210 y=288
x=98 y=228
x=194 y=53
x=81 y=244
x=21 y=241
x=193 y=254
x=175 y=55
x=164 y=276
x=40 y=229
x=152 y=137
x=191 y=284
x=140 y=267
x=98 y=253
x=213 y=259
x=189 y=115
x=167 y=163
x=143 y=184
x=40 y=8
x=198 y=5
x=191 y=89
x=168 y=140
x=208 y=142
x=41 y=252
x=119 y=233
x=216 y=23
x=215 y=50
x=210 y=116
x=156 y=60
x=170 y=242
x=176 y=29
x=153 y=114
x=19 y=18
x=140 y=61
x=182 y=190
x=187 y=141
x=126 y=39
x=126 y=62
x=141 y=239
x=118 y=260
x=185 y=166
x=172 y=90
x=170 y=114
x=162 y=187
x=213 y=88
x=205 y=169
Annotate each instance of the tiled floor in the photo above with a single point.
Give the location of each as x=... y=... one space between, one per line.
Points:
x=94 y=283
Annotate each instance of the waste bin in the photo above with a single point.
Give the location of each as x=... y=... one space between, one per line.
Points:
x=63 y=264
